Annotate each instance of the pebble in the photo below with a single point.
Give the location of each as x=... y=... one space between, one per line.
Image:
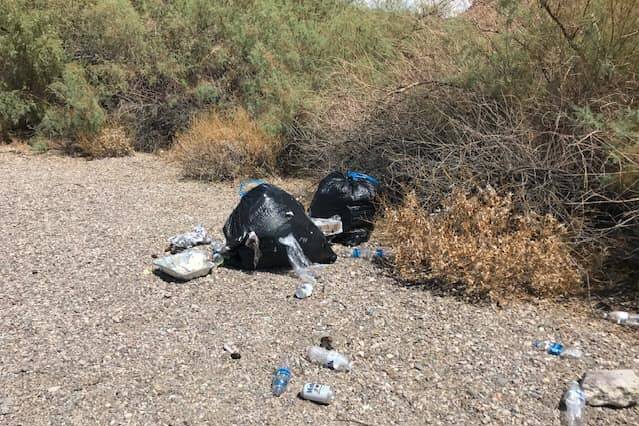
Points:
x=5 y=406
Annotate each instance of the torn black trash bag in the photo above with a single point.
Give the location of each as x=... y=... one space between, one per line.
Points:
x=265 y=214
x=353 y=199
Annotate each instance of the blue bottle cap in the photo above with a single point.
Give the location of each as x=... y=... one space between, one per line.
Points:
x=555 y=348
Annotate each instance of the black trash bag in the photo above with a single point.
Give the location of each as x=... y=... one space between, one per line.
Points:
x=265 y=214
x=353 y=199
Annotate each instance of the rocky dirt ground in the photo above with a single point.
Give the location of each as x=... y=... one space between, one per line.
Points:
x=88 y=336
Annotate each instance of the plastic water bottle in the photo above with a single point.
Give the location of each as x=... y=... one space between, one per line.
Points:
x=572 y=352
x=329 y=359
x=624 y=318
x=552 y=348
x=557 y=349
x=575 y=401
x=281 y=378
x=316 y=392
x=368 y=253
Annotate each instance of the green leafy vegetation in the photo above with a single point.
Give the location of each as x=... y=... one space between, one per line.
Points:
x=67 y=67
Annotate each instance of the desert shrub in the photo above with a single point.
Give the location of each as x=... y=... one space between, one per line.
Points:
x=220 y=146
x=112 y=141
x=75 y=111
x=152 y=65
x=31 y=58
x=536 y=98
x=480 y=242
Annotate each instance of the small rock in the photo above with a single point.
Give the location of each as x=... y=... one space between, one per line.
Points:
x=230 y=347
x=326 y=342
x=53 y=389
x=419 y=367
x=616 y=388
x=501 y=381
x=5 y=406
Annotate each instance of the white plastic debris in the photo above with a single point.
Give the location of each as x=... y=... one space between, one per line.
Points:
x=575 y=401
x=190 y=239
x=316 y=392
x=623 y=318
x=329 y=359
x=572 y=352
x=301 y=266
x=186 y=265
x=330 y=226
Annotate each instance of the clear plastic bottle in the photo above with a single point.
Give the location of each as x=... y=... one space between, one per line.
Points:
x=363 y=252
x=624 y=318
x=557 y=349
x=552 y=348
x=329 y=359
x=281 y=378
x=575 y=402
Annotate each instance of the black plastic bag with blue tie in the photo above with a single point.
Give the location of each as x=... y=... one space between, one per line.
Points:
x=352 y=197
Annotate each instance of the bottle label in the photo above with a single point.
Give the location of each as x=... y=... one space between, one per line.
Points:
x=317 y=392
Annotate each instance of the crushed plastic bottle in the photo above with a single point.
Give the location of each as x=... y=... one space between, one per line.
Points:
x=575 y=402
x=316 y=392
x=557 y=349
x=572 y=352
x=301 y=266
x=623 y=318
x=368 y=253
x=329 y=359
x=281 y=379
x=552 y=348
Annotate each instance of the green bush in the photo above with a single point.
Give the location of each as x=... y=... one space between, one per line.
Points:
x=75 y=111
x=153 y=64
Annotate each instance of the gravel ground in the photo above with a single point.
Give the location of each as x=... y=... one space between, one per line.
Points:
x=89 y=336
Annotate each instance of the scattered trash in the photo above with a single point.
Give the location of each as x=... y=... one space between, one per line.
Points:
x=301 y=266
x=623 y=318
x=368 y=253
x=572 y=352
x=557 y=349
x=304 y=290
x=326 y=342
x=5 y=406
x=230 y=348
x=352 y=198
x=194 y=238
x=316 y=392
x=615 y=388
x=249 y=184
x=329 y=359
x=331 y=226
x=281 y=379
x=575 y=402
x=263 y=216
x=186 y=265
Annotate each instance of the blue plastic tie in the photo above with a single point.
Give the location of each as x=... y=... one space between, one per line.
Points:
x=353 y=175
